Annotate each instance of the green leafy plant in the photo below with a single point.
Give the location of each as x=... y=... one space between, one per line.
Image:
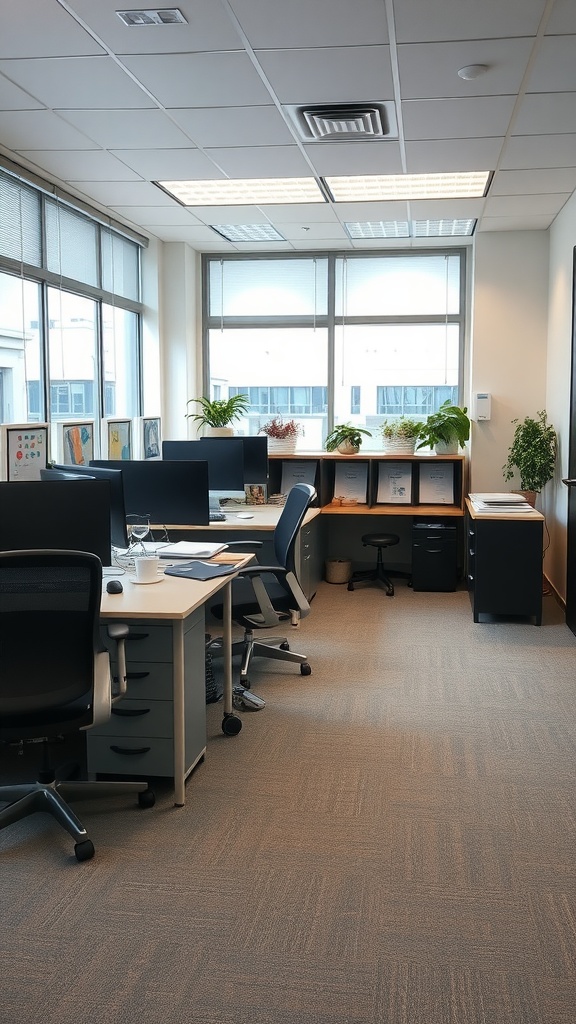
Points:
x=218 y=412
x=449 y=425
x=532 y=453
x=278 y=428
x=403 y=427
x=345 y=434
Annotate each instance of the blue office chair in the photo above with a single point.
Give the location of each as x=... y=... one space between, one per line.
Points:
x=264 y=596
x=55 y=676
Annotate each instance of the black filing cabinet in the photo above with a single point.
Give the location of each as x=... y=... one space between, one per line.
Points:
x=505 y=567
x=434 y=556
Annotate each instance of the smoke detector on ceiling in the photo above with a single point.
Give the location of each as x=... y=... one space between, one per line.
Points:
x=164 y=16
x=345 y=121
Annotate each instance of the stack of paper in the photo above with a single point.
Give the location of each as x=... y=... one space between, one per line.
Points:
x=495 y=502
x=190 y=549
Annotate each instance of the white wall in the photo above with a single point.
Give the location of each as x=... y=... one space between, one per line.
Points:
x=180 y=335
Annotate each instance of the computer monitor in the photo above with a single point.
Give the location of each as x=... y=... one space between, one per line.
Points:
x=225 y=460
x=70 y=514
x=118 y=527
x=167 y=492
x=255 y=448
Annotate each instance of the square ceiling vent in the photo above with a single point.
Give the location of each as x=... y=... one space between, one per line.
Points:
x=344 y=121
x=164 y=16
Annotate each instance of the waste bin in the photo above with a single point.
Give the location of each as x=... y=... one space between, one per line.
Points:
x=434 y=556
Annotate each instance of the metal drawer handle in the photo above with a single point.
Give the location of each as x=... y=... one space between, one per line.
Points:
x=137 y=675
x=131 y=712
x=130 y=750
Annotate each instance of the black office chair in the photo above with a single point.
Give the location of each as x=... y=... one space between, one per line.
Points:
x=263 y=596
x=55 y=675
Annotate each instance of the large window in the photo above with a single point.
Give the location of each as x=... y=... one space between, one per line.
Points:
x=70 y=311
x=336 y=339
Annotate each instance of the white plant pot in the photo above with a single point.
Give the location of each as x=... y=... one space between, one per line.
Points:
x=281 y=445
x=446 y=448
x=399 y=445
x=346 y=448
x=218 y=431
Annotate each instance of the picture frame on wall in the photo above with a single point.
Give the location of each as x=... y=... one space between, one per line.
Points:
x=151 y=437
x=24 y=449
x=118 y=439
x=76 y=442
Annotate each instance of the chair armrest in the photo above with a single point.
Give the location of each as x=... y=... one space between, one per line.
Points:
x=242 y=544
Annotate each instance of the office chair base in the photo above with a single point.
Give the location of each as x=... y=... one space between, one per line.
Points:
x=369 y=576
x=276 y=648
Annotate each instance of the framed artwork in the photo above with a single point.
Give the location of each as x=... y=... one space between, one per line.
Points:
x=151 y=437
x=119 y=439
x=76 y=443
x=24 y=450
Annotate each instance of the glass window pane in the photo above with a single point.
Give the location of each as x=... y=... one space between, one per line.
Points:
x=21 y=383
x=71 y=244
x=256 y=288
x=398 y=286
x=20 y=222
x=120 y=265
x=120 y=341
x=284 y=362
x=72 y=359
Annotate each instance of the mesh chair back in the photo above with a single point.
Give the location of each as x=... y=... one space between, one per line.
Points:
x=299 y=499
x=49 y=629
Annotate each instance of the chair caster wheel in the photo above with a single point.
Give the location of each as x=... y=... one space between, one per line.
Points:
x=285 y=646
x=305 y=669
x=231 y=725
x=146 y=799
x=350 y=586
x=84 y=850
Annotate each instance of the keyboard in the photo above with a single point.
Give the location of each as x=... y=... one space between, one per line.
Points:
x=217 y=517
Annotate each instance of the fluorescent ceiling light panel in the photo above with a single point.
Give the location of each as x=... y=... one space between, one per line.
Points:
x=389 y=187
x=443 y=228
x=378 y=229
x=248 y=232
x=244 y=191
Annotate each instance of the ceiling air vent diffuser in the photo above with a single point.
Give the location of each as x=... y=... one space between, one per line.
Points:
x=345 y=121
x=165 y=16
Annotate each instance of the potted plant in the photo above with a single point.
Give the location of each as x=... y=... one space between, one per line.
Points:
x=400 y=435
x=446 y=430
x=346 y=439
x=532 y=454
x=282 y=434
x=218 y=414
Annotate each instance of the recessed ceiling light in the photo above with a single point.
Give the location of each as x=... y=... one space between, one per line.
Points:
x=244 y=191
x=390 y=187
x=472 y=71
x=443 y=228
x=377 y=229
x=165 y=16
x=248 y=232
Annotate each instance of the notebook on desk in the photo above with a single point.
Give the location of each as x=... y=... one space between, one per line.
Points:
x=197 y=570
x=190 y=549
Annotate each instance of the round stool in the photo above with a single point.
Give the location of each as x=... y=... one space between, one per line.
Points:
x=378 y=541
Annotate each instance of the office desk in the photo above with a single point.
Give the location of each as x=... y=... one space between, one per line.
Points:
x=159 y=728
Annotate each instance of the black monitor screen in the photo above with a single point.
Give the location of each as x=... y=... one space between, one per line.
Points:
x=255 y=458
x=225 y=459
x=117 y=505
x=69 y=514
x=167 y=492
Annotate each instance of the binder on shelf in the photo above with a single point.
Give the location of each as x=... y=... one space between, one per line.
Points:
x=298 y=472
x=351 y=481
x=394 y=483
x=436 y=484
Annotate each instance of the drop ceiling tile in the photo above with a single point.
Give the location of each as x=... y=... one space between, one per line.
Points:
x=193 y=234
x=454 y=209
x=76 y=82
x=124 y=193
x=199 y=79
x=548 y=113
x=511 y=206
x=451 y=154
x=533 y=181
x=419 y=20
x=127 y=129
x=308 y=213
x=562 y=18
x=430 y=70
x=525 y=223
x=329 y=75
x=539 y=151
x=377 y=156
x=153 y=216
x=462 y=118
x=395 y=210
x=29 y=29
x=40 y=130
x=228 y=214
x=300 y=23
x=554 y=66
x=323 y=245
x=168 y=164
x=12 y=97
x=83 y=165
x=208 y=28
x=233 y=126
x=261 y=162
x=306 y=231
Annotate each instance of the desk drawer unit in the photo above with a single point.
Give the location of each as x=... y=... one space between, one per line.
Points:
x=505 y=568
x=138 y=739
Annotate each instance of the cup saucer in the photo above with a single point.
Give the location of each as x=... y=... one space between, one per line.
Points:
x=145 y=583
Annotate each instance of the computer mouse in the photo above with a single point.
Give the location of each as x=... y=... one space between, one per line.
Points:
x=245 y=515
x=114 y=587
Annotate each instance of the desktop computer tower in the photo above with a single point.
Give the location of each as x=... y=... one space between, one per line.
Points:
x=434 y=556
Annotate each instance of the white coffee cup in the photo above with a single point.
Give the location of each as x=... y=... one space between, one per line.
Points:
x=146 y=569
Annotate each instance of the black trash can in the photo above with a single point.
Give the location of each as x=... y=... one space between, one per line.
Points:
x=434 y=556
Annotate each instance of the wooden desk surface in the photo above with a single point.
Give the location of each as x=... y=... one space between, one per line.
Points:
x=264 y=517
x=529 y=517
x=174 y=597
